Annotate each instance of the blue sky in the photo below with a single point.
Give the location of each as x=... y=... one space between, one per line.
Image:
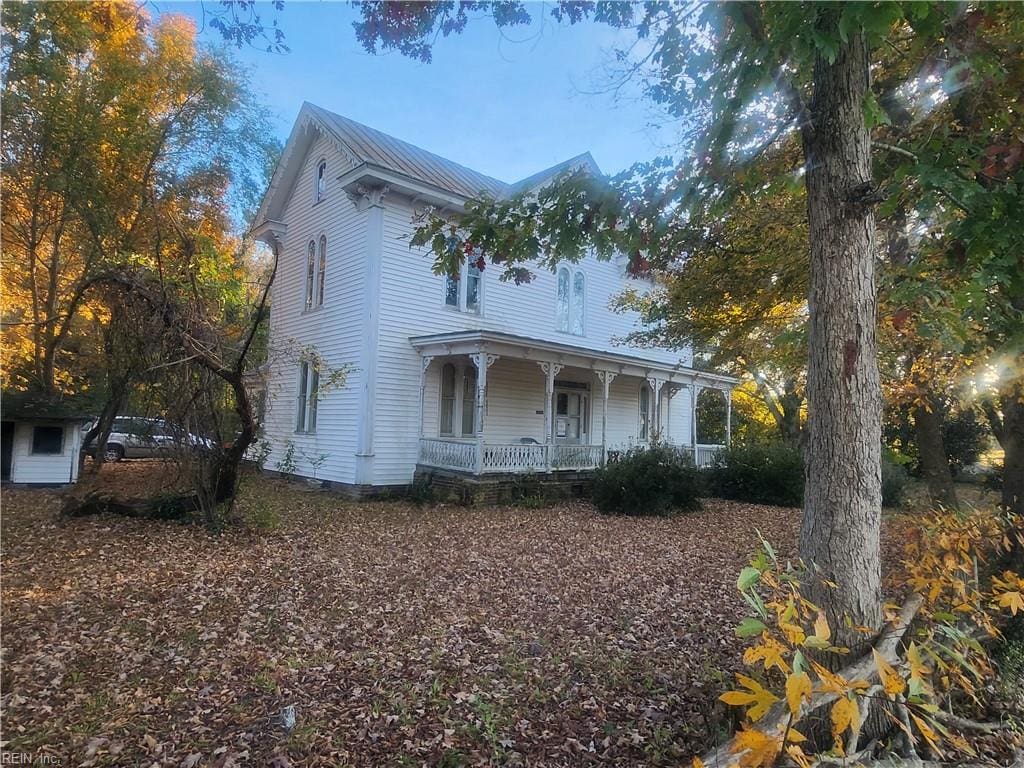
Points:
x=502 y=107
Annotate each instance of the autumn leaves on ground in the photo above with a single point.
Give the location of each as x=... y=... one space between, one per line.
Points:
x=401 y=635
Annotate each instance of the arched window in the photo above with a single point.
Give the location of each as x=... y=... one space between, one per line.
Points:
x=321 y=180
x=321 y=273
x=570 y=302
x=447 y=399
x=310 y=272
x=644 y=402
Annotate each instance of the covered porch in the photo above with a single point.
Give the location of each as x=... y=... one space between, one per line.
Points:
x=493 y=403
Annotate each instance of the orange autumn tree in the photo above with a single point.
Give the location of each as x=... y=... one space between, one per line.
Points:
x=118 y=131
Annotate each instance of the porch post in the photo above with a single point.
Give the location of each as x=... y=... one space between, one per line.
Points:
x=728 y=416
x=550 y=370
x=656 y=384
x=425 y=361
x=606 y=378
x=694 y=394
x=482 y=361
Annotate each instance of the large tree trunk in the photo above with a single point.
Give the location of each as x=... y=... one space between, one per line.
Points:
x=932 y=453
x=839 y=537
x=1012 y=442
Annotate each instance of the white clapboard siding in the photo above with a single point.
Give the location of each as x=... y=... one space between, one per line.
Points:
x=45 y=469
x=334 y=328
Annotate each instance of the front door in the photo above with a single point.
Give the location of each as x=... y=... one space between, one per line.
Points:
x=571 y=416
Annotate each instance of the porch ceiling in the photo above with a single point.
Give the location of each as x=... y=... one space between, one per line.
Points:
x=509 y=345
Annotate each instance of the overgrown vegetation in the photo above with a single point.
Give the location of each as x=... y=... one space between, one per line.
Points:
x=763 y=474
x=657 y=480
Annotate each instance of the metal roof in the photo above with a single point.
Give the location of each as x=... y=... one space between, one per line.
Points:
x=368 y=145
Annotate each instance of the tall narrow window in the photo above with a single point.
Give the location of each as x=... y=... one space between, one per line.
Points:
x=578 y=304
x=321 y=180
x=307 y=398
x=447 y=399
x=321 y=272
x=302 y=398
x=562 y=305
x=645 y=413
x=468 y=400
x=451 y=291
x=310 y=272
x=473 y=276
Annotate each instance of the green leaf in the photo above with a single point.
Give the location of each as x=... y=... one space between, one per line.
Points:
x=748 y=577
x=873 y=112
x=750 y=627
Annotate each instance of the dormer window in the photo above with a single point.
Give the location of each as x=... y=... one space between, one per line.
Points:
x=464 y=291
x=570 y=302
x=321 y=181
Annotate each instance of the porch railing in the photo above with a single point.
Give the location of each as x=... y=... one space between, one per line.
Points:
x=469 y=455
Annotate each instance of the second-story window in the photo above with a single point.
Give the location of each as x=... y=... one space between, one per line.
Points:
x=464 y=291
x=321 y=272
x=570 y=301
x=310 y=273
x=321 y=181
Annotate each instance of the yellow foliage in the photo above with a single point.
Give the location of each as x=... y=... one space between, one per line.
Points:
x=845 y=715
x=891 y=680
x=758 y=698
x=798 y=688
x=770 y=653
x=756 y=749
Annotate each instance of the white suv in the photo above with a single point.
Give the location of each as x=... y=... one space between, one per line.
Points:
x=133 y=437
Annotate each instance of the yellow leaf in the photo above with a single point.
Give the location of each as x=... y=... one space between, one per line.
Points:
x=821 y=628
x=756 y=697
x=926 y=730
x=1012 y=600
x=891 y=680
x=798 y=756
x=769 y=653
x=756 y=749
x=845 y=714
x=795 y=736
x=798 y=686
x=698 y=763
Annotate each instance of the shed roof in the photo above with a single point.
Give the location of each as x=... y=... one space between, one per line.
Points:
x=18 y=405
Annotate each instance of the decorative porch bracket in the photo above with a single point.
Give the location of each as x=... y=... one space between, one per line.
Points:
x=550 y=370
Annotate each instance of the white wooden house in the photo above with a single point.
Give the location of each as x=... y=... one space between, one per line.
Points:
x=470 y=376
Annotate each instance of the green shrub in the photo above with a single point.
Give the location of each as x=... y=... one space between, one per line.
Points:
x=763 y=474
x=659 y=480
x=894 y=482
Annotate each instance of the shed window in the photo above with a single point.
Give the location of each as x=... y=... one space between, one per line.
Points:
x=47 y=440
x=321 y=180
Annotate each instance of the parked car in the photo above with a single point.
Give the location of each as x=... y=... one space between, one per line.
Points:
x=134 y=437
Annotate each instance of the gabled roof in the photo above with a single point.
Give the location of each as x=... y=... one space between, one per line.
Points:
x=31 y=405
x=369 y=149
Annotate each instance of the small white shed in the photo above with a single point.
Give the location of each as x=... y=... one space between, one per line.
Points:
x=40 y=440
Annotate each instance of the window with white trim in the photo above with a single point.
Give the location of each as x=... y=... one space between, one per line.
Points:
x=321 y=181
x=308 y=397
x=458 y=400
x=321 y=271
x=464 y=291
x=570 y=301
x=644 y=407
x=310 y=273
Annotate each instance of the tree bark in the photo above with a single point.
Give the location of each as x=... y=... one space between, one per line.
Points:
x=839 y=537
x=932 y=453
